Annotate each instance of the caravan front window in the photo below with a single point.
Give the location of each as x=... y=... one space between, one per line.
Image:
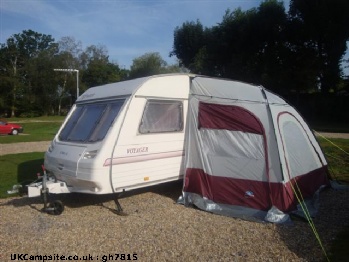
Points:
x=90 y=122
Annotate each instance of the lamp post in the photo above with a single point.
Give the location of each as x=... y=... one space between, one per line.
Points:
x=77 y=78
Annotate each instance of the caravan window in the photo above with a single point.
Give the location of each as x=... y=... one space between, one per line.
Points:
x=90 y=122
x=162 y=116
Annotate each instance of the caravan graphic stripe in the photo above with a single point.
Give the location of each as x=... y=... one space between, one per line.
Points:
x=140 y=158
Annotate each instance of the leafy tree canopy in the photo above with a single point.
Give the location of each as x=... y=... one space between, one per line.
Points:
x=299 y=50
x=29 y=85
x=150 y=64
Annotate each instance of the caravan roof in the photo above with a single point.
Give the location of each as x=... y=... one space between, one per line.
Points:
x=123 y=88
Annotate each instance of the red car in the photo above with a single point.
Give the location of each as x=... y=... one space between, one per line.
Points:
x=10 y=129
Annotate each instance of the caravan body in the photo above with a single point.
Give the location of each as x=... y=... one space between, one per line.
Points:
x=122 y=136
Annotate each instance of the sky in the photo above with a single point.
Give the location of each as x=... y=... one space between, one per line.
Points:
x=127 y=28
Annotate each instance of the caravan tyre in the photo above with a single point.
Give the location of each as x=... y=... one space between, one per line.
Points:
x=57 y=207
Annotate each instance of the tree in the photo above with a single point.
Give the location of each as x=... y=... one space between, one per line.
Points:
x=189 y=39
x=65 y=82
x=301 y=50
x=6 y=81
x=93 y=65
x=65 y=86
x=68 y=44
x=15 y=67
x=246 y=45
x=150 y=64
x=37 y=98
x=28 y=83
x=324 y=29
x=97 y=70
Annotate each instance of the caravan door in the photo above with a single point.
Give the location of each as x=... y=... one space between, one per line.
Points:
x=150 y=148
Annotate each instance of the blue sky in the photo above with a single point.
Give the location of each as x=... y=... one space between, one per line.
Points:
x=128 y=28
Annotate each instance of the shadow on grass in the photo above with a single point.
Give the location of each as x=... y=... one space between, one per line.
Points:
x=18 y=169
x=28 y=171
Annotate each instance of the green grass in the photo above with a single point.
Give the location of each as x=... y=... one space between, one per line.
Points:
x=19 y=169
x=338 y=161
x=330 y=127
x=35 y=129
x=36 y=119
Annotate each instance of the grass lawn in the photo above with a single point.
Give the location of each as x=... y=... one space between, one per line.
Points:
x=338 y=161
x=330 y=127
x=21 y=168
x=35 y=129
x=18 y=169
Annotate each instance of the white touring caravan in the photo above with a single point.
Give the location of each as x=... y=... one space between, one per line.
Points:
x=247 y=150
x=121 y=136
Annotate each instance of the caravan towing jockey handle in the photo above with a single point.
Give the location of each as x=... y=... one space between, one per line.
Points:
x=54 y=208
x=44 y=190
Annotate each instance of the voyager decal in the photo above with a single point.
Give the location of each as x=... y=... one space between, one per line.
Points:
x=136 y=150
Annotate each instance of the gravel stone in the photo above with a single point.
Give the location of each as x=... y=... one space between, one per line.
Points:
x=24 y=147
x=158 y=229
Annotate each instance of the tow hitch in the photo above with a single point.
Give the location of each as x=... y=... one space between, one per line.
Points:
x=44 y=186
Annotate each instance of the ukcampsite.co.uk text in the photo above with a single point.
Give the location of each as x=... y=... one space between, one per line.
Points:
x=57 y=257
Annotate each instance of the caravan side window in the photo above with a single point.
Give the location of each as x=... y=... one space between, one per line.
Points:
x=162 y=116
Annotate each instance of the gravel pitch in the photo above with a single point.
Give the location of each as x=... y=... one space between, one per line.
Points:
x=158 y=229
x=24 y=147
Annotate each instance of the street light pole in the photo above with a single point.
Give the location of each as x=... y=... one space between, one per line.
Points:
x=77 y=83
x=77 y=78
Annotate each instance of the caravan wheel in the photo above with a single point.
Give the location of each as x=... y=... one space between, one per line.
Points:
x=57 y=208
